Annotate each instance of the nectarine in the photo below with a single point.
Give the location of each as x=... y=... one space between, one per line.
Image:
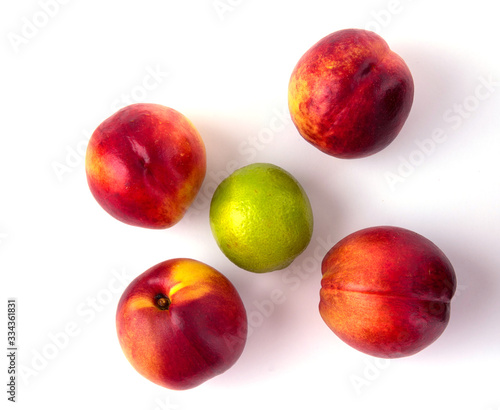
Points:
x=181 y=323
x=145 y=164
x=349 y=95
x=386 y=291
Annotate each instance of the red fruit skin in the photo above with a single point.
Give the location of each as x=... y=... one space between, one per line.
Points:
x=200 y=335
x=145 y=164
x=349 y=95
x=386 y=291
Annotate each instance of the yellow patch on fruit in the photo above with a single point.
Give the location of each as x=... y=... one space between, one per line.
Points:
x=110 y=172
x=190 y=280
x=140 y=302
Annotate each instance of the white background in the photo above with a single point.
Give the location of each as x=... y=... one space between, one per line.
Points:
x=225 y=65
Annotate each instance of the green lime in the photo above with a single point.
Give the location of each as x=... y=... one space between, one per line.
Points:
x=261 y=218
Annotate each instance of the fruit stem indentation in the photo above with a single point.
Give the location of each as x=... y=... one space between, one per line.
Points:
x=162 y=301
